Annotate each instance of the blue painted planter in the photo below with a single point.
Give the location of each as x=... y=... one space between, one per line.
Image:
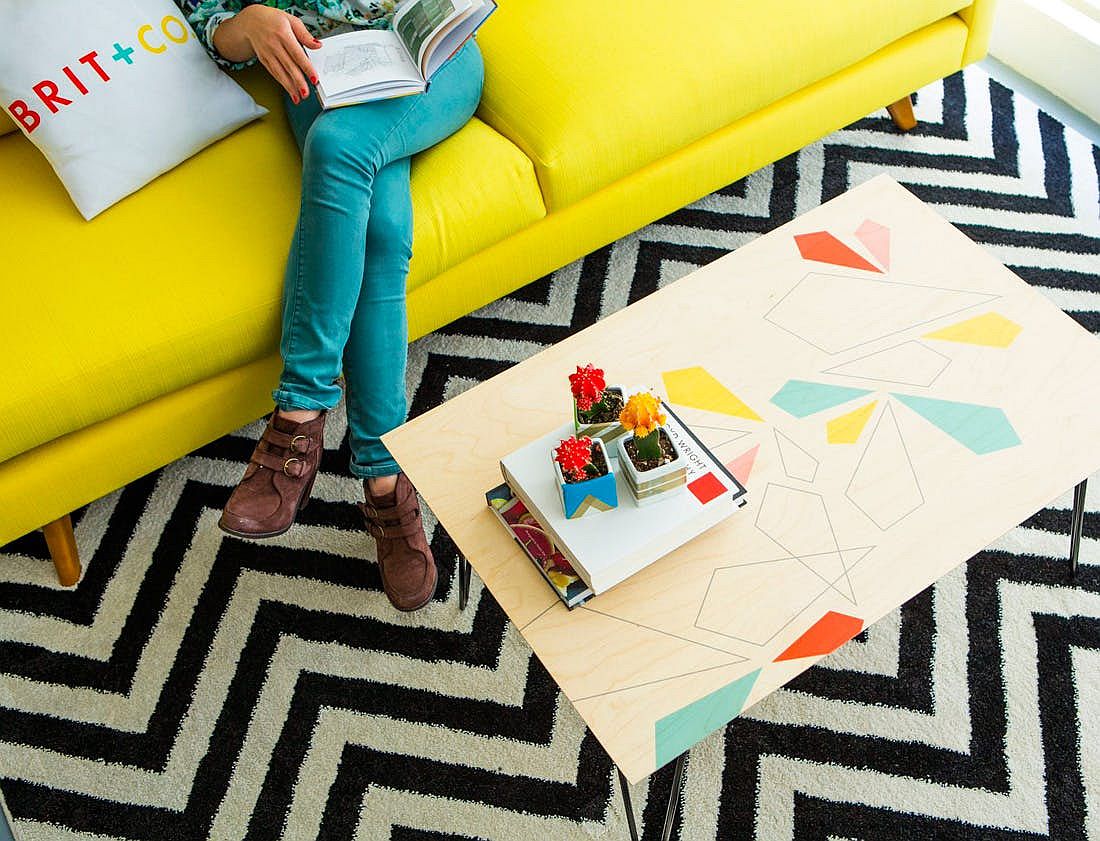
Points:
x=599 y=494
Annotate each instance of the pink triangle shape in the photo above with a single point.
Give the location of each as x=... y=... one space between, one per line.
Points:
x=741 y=466
x=876 y=239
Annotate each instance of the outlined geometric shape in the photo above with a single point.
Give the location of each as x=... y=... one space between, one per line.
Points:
x=825 y=636
x=835 y=313
x=706 y=488
x=991 y=329
x=823 y=247
x=797 y=463
x=666 y=656
x=876 y=239
x=697 y=388
x=981 y=429
x=741 y=467
x=723 y=435
x=679 y=731
x=884 y=485
x=909 y=363
x=727 y=610
x=801 y=398
x=846 y=429
x=798 y=522
x=758 y=622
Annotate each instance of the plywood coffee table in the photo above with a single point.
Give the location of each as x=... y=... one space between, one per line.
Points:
x=897 y=400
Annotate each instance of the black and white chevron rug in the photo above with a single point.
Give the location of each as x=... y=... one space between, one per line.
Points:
x=197 y=686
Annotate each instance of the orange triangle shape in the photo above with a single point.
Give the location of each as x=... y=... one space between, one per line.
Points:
x=825 y=636
x=823 y=247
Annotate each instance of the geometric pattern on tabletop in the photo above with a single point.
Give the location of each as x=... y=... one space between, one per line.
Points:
x=193 y=680
x=797 y=463
x=847 y=428
x=812 y=307
x=823 y=247
x=825 y=636
x=982 y=429
x=910 y=363
x=741 y=467
x=876 y=239
x=850 y=530
x=884 y=485
x=991 y=329
x=697 y=388
x=801 y=398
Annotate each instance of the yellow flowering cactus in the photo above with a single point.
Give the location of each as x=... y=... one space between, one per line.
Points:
x=642 y=415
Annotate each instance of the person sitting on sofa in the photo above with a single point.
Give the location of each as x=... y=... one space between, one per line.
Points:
x=344 y=287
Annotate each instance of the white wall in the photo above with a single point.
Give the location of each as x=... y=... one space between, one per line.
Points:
x=1056 y=43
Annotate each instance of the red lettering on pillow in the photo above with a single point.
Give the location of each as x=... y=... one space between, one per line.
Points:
x=89 y=59
x=20 y=111
x=75 y=79
x=47 y=92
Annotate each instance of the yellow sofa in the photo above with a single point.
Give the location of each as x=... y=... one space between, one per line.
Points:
x=153 y=329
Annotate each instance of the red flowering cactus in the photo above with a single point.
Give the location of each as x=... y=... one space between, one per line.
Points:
x=574 y=455
x=587 y=385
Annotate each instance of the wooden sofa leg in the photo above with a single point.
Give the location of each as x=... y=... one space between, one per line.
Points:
x=62 y=543
x=901 y=112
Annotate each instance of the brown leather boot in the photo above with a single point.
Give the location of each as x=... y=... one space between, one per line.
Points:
x=404 y=557
x=278 y=479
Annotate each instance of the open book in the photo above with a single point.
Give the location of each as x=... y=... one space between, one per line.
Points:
x=372 y=64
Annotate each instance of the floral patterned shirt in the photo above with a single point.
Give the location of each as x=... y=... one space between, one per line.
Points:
x=319 y=16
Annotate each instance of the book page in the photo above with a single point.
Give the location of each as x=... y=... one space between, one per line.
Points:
x=361 y=59
x=416 y=22
x=446 y=43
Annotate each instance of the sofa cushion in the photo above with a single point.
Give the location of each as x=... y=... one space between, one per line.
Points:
x=183 y=280
x=594 y=91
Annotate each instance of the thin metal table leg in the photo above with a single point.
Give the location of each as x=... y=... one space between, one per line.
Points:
x=1077 y=523
x=629 y=806
x=463 y=582
x=674 y=797
x=673 y=800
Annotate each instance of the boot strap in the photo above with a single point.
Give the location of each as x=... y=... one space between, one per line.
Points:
x=296 y=444
x=292 y=466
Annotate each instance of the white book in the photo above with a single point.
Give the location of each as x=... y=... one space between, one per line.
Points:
x=368 y=64
x=606 y=547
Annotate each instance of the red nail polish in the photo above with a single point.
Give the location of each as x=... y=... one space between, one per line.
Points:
x=313 y=79
x=305 y=93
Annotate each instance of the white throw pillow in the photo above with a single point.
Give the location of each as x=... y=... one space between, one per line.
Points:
x=113 y=92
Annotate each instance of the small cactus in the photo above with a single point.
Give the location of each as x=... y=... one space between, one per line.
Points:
x=575 y=456
x=587 y=385
x=642 y=415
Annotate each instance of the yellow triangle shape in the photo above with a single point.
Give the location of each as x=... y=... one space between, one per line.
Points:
x=991 y=329
x=695 y=387
x=847 y=428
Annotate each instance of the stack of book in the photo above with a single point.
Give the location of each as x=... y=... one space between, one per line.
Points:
x=585 y=556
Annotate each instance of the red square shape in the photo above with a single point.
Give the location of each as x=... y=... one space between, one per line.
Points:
x=706 y=488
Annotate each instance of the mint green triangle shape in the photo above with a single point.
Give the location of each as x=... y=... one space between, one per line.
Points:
x=678 y=731
x=801 y=398
x=981 y=429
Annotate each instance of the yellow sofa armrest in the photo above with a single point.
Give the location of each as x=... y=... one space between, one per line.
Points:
x=978 y=16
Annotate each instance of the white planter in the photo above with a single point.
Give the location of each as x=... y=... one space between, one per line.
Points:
x=650 y=486
x=608 y=432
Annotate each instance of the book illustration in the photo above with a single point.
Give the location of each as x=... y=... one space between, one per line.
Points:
x=534 y=540
x=354 y=59
x=415 y=27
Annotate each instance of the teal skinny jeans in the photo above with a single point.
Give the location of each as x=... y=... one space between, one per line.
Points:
x=344 y=289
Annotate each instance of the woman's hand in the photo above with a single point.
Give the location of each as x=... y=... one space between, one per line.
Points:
x=274 y=37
